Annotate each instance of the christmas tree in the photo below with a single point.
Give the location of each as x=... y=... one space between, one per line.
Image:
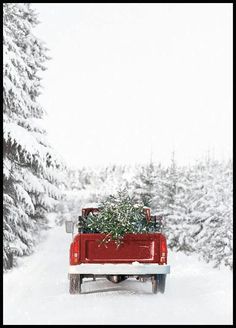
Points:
x=118 y=215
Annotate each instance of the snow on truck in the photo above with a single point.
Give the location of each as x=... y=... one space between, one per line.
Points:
x=140 y=255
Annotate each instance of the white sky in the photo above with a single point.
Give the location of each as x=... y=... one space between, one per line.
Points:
x=128 y=80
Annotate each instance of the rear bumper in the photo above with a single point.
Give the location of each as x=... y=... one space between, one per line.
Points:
x=119 y=268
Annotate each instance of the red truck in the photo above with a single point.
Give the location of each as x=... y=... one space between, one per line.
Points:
x=143 y=256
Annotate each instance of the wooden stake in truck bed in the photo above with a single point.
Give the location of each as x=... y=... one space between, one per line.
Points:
x=143 y=256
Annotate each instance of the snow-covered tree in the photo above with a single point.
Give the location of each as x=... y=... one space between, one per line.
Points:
x=211 y=212
x=144 y=184
x=167 y=199
x=177 y=221
x=31 y=176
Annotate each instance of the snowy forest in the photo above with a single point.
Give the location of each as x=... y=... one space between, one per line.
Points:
x=196 y=200
x=100 y=102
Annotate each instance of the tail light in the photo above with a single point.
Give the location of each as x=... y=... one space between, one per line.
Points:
x=74 y=253
x=163 y=250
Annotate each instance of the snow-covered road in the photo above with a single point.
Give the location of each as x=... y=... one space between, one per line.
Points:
x=37 y=292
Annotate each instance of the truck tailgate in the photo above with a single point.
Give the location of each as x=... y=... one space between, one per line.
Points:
x=135 y=247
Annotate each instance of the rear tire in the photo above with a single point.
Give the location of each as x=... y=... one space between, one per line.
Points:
x=75 y=283
x=161 y=282
x=158 y=283
x=154 y=284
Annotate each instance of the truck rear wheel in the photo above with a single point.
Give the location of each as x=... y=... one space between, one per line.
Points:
x=75 y=283
x=158 y=283
x=161 y=282
x=154 y=284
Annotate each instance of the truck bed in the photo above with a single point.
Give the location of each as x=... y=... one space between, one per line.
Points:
x=142 y=248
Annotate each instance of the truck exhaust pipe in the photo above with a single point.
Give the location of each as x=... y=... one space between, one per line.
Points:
x=116 y=278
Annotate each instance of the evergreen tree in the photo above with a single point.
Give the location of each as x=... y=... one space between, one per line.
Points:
x=30 y=177
x=178 y=220
x=119 y=214
x=144 y=184
x=170 y=177
x=211 y=213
